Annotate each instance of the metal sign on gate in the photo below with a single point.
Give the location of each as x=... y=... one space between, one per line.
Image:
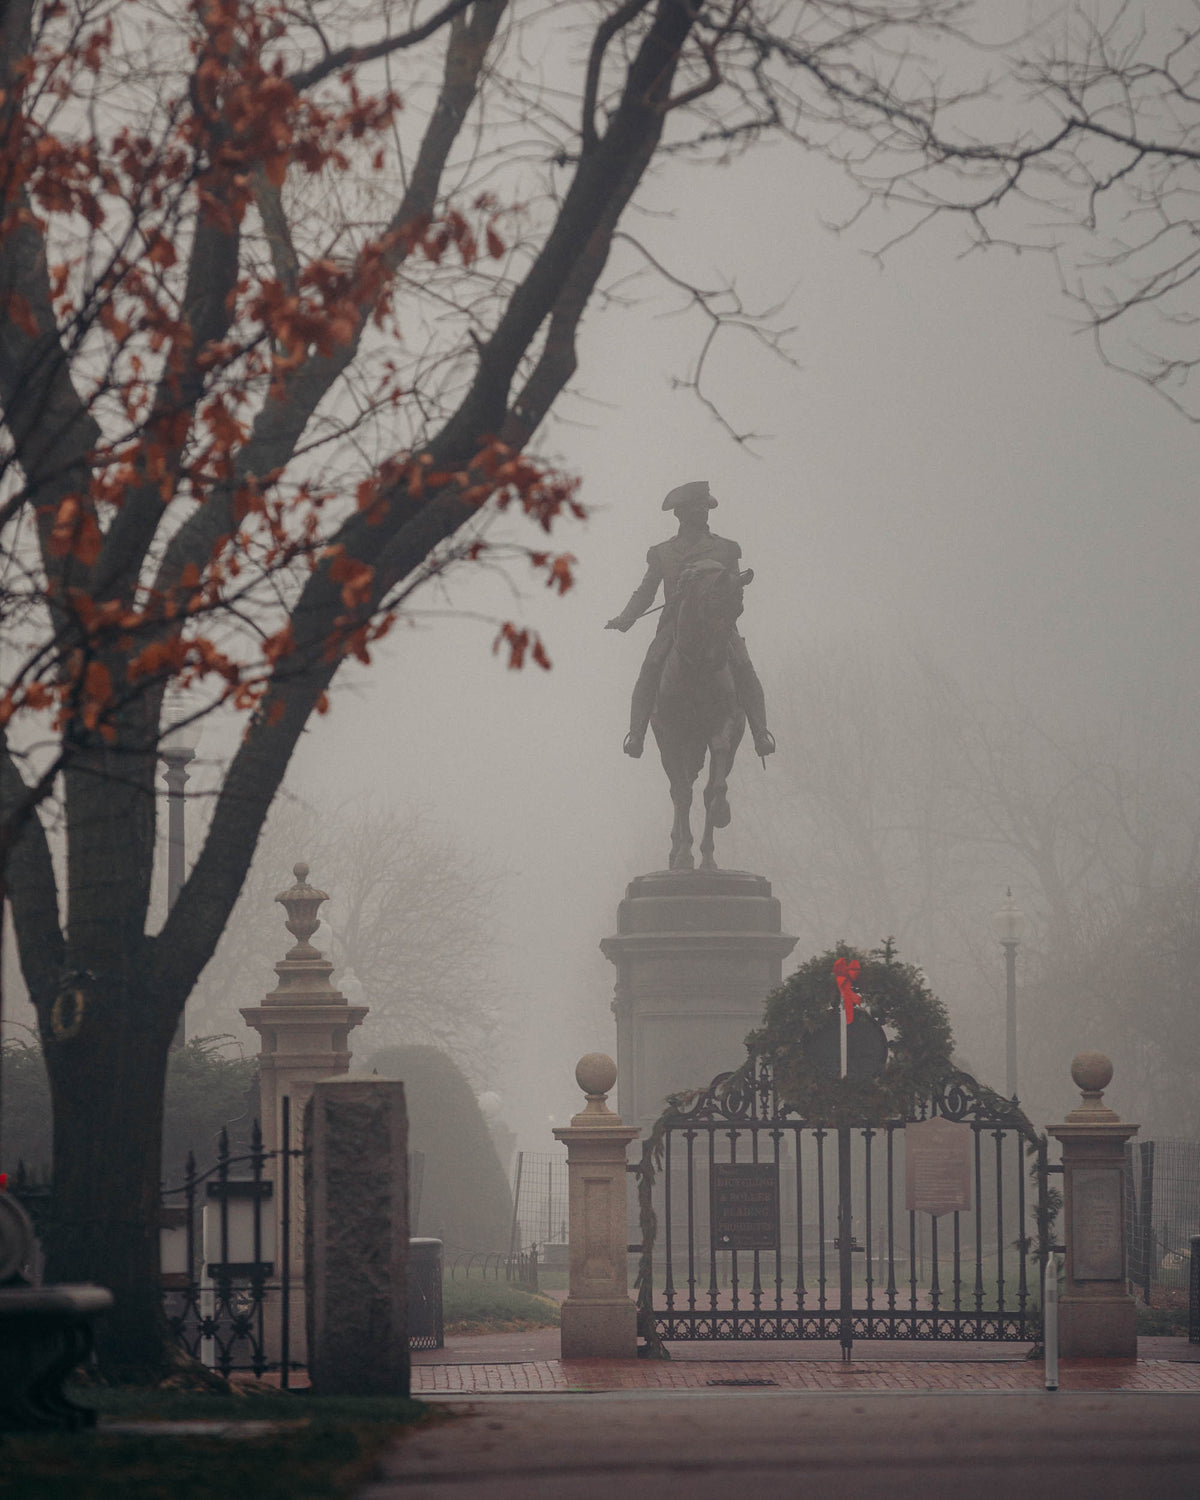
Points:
x=745 y=1205
x=771 y=1226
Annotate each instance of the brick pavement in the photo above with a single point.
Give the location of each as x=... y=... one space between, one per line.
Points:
x=811 y=1375
x=528 y=1363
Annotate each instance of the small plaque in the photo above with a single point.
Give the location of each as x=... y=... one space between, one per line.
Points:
x=1097 y=1224
x=937 y=1166
x=744 y=1197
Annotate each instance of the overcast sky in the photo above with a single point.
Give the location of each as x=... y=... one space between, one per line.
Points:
x=948 y=468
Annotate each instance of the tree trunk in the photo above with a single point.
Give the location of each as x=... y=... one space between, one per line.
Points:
x=106 y=1083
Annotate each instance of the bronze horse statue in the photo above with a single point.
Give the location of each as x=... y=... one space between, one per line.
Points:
x=696 y=710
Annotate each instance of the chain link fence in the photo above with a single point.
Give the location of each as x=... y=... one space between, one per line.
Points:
x=1162 y=1213
x=540 y=1207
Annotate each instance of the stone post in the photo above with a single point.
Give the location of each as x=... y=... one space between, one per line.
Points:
x=599 y=1321
x=304 y=1024
x=356 y=1237
x=1096 y=1314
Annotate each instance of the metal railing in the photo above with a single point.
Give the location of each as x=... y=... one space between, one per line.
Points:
x=519 y=1269
x=226 y=1255
x=227 y=1262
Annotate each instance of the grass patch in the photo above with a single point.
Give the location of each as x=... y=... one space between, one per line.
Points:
x=1168 y=1315
x=494 y=1307
x=324 y=1449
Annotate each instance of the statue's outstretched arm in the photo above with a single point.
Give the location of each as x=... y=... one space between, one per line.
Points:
x=642 y=597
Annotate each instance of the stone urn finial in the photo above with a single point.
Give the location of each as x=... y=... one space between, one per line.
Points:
x=1092 y=1072
x=595 y=1073
x=301 y=902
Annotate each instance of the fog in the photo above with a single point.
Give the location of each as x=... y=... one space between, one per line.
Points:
x=948 y=474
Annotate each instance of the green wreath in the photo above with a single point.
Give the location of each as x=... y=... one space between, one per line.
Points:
x=896 y=995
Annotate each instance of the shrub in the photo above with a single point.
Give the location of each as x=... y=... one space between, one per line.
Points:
x=465 y=1198
x=206 y=1091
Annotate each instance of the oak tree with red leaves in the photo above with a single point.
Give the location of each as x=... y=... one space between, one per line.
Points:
x=285 y=293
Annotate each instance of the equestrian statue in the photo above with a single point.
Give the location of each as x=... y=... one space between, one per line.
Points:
x=697 y=688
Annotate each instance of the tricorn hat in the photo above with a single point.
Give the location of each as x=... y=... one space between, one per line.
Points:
x=695 y=492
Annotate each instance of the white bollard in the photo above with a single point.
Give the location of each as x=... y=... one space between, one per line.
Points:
x=1050 y=1320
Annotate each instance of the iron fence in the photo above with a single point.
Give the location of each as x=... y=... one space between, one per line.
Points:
x=770 y=1226
x=226 y=1236
x=520 y=1269
x=227 y=1272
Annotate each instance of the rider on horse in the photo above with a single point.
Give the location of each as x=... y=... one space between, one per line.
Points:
x=666 y=563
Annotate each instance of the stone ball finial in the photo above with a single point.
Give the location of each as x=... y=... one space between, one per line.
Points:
x=300 y=871
x=595 y=1073
x=1091 y=1073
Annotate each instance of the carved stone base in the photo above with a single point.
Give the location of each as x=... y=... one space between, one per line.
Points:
x=697 y=953
x=599 y=1330
x=1097 y=1327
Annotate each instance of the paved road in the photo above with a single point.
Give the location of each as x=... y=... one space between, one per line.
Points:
x=698 y=1445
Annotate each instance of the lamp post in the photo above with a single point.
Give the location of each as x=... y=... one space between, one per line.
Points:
x=177 y=750
x=1008 y=924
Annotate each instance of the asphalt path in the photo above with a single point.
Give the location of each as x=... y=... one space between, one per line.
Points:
x=735 y=1445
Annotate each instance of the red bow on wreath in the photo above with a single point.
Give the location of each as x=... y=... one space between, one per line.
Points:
x=845 y=973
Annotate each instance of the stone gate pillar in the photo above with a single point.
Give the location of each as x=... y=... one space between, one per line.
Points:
x=356 y=1235
x=599 y=1321
x=1096 y=1314
x=304 y=1024
x=696 y=952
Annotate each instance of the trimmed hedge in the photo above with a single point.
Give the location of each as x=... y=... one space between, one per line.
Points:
x=465 y=1197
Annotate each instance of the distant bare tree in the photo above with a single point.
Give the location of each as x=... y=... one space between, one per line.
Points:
x=1095 y=159
x=1134 y=993
x=275 y=354
x=409 y=919
x=906 y=808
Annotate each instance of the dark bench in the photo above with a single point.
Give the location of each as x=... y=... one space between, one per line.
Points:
x=45 y=1331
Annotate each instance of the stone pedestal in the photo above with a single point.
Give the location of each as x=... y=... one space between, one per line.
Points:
x=304 y=1024
x=696 y=952
x=599 y=1321
x=356 y=1234
x=1096 y=1314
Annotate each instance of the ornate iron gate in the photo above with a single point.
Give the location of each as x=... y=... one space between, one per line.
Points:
x=773 y=1227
